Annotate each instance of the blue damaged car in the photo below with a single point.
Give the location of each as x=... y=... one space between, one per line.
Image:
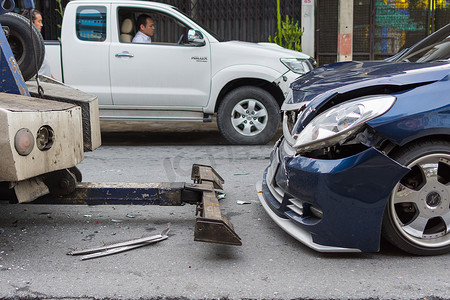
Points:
x=365 y=154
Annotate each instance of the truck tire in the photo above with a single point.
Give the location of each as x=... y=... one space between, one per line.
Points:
x=248 y=115
x=21 y=44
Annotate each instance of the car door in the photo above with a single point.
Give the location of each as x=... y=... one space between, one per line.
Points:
x=167 y=73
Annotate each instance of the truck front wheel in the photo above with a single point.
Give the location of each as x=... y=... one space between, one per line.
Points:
x=248 y=115
x=21 y=44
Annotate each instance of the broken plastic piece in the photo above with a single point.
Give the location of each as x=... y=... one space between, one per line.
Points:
x=221 y=196
x=240 y=202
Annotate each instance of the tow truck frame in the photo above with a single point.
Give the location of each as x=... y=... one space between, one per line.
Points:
x=210 y=225
x=65 y=186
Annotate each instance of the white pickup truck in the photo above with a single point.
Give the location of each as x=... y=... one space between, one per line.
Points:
x=187 y=73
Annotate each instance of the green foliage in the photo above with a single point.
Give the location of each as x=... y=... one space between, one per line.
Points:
x=289 y=34
x=60 y=10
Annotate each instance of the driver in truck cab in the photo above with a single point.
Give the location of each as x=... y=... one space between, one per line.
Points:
x=145 y=28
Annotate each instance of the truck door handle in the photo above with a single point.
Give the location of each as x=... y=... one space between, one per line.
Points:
x=124 y=54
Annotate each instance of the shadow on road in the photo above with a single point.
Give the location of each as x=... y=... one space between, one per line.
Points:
x=163 y=133
x=162 y=138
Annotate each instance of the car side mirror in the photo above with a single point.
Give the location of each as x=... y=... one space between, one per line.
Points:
x=196 y=38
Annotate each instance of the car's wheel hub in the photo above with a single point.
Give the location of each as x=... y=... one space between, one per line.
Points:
x=433 y=200
x=421 y=202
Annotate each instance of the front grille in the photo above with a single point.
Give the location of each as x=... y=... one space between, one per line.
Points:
x=296 y=206
x=296 y=209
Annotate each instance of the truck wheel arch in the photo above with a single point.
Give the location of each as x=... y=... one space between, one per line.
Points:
x=274 y=90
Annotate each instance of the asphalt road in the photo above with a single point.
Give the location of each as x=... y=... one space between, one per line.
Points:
x=34 y=239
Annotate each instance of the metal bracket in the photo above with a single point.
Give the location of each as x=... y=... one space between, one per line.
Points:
x=211 y=225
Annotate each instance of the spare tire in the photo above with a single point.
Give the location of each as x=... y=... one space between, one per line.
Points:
x=19 y=39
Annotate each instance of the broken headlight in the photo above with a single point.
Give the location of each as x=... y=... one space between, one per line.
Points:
x=338 y=123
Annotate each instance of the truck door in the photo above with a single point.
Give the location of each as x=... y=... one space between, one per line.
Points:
x=168 y=72
x=86 y=40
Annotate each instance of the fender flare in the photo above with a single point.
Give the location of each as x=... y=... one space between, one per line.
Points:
x=223 y=77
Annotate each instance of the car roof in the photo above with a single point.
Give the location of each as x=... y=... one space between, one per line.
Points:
x=157 y=4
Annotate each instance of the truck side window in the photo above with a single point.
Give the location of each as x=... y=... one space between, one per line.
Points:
x=168 y=29
x=91 y=23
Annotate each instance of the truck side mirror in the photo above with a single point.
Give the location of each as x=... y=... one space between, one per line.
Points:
x=196 y=38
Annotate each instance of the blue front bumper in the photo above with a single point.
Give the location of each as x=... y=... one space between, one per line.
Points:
x=330 y=205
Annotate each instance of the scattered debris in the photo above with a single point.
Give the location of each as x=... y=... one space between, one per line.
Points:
x=240 y=202
x=220 y=195
x=120 y=247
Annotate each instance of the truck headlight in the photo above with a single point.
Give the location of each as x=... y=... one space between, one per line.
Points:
x=296 y=65
x=338 y=123
x=24 y=141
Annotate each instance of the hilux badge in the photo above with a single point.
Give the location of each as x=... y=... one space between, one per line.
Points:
x=200 y=58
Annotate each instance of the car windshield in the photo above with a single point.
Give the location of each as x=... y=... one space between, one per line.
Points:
x=433 y=48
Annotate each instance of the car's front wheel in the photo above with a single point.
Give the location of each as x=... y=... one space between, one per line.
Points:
x=248 y=115
x=417 y=217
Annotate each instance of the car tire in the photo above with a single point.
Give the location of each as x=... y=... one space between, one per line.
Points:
x=417 y=216
x=21 y=44
x=248 y=116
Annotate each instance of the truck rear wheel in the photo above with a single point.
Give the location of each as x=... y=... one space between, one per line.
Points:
x=19 y=39
x=248 y=115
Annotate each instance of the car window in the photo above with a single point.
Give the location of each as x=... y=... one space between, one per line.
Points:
x=91 y=23
x=168 y=30
x=433 y=48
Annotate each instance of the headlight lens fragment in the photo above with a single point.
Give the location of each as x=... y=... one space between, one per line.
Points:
x=339 y=122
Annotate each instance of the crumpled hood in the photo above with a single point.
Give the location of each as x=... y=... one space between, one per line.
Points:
x=323 y=82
